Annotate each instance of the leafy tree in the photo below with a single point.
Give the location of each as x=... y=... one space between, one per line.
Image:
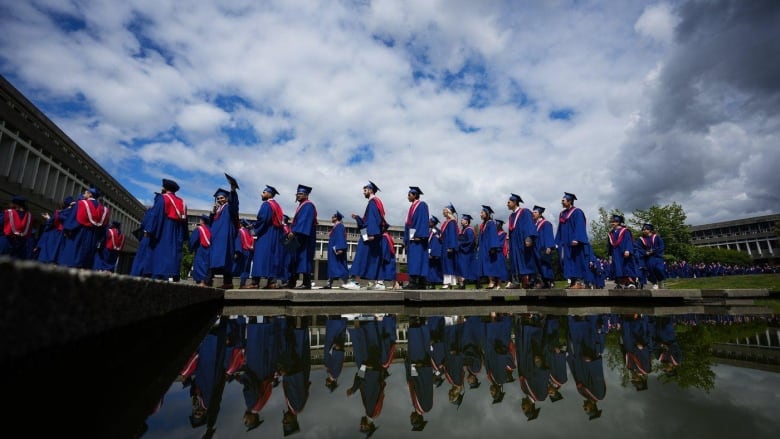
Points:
x=186 y=261
x=669 y=222
x=598 y=230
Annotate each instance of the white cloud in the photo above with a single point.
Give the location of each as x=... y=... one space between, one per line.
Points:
x=657 y=22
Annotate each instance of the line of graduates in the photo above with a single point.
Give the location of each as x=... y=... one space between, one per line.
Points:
x=79 y=234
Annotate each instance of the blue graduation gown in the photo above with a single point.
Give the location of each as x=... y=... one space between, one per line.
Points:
x=499 y=350
x=372 y=221
x=200 y=263
x=620 y=242
x=435 y=274
x=417 y=244
x=295 y=357
x=488 y=250
x=304 y=225
x=449 y=247
x=81 y=241
x=268 y=258
x=224 y=227
x=166 y=239
x=544 y=240
x=472 y=340
x=337 y=262
x=572 y=227
x=335 y=333
x=521 y=227
x=454 y=359
x=467 y=243
x=533 y=379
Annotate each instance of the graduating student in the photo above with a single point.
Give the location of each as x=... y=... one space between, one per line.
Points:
x=304 y=230
x=467 y=245
x=257 y=373
x=167 y=230
x=16 y=229
x=554 y=343
x=388 y=272
x=109 y=249
x=503 y=255
x=435 y=276
x=544 y=245
x=200 y=245
x=295 y=369
x=636 y=344
x=268 y=257
x=522 y=243
x=142 y=261
x=571 y=239
x=224 y=229
x=449 y=247
x=488 y=249
x=416 y=239
x=83 y=228
x=620 y=247
x=337 y=251
x=51 y=238
x=650 y=249
x=245 y=250
x=368 y=262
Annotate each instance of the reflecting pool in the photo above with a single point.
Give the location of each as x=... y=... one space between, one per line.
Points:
x=469 y=376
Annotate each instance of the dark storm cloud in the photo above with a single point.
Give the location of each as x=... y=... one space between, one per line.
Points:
x=714 y=111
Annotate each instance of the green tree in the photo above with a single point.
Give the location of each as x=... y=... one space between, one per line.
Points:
x=598 y=230
x=186 y=261
x=669 y=222
x=724 y=256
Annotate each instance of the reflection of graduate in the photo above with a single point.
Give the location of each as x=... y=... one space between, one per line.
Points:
x=668 y=350
x=205 y=374
x=294 y=365
x=533 y=373
x=333 y=350
x=585 y=345
x=555 y=357
x=367 y=344
x=419 y=372
x=258 y=379
x=635 y=343
x=472 y=340
x=499 y=351
x=454 y=362
x=438 y=347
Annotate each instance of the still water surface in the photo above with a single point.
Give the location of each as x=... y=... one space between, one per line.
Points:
x=618 y=375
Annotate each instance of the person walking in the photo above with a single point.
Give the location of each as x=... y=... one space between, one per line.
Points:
x=304 y=230
x=571 y=240
x=416 y=240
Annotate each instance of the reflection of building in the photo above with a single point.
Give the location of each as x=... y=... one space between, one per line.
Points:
x=323 y=231
x=761 y=351
x=41 y=163
x=755 y=236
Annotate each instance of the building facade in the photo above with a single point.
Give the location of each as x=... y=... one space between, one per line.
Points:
x=755 y=236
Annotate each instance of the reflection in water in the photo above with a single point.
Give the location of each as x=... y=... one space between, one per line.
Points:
x=530 y=363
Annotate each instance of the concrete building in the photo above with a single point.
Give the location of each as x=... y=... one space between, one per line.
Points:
x=755 y=236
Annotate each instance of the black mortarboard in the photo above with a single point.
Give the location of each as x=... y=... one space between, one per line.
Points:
x=271 y=190
x=138 y=233
x=197 y=421
x=372 y=186
x=286 y=218
x=516 y=198
x=290 y=425
x=499 y=397
x=20 y=200
x=594 y=414
x=256 y=421
x=244 y=222
x=338 y=215
x=434 y=220
x=569 y=196
x=94 y=191
x=232 y=181
x=648 y=226
x=451 y=208
x=116 y=224
x=487 y=209
x=66 y=202
x=617 y=219
x=416 y=190
x=418 y=424
x=458 y=401
x=539 y=209
x=205 y=218
x=221 y=191
x=556 y=396
x=466 y=217
x=302 y=189
x=170 y=185
x=499 y=222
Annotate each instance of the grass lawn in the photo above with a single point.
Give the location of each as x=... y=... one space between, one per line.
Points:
x=749 y=281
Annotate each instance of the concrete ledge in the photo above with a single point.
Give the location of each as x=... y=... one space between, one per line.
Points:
x=758 y=292
x=45 y=305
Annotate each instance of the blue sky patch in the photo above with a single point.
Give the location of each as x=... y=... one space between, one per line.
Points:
x=361 y=154
x=561 y=114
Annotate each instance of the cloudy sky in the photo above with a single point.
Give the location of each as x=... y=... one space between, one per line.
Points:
x=626 y=104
